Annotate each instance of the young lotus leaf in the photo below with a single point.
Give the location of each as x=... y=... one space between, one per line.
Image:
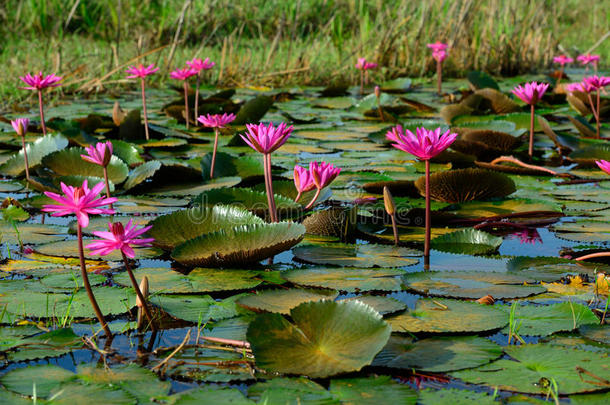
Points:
x=372 y=390
x=350 y=280
x=239 y=246
x=467 y=241
x=178 y=227
x=369 y=255
x=282 y=301
x=326 y=338
x=471 y=284
x=291 y=391
x=535 y=365
x=445 y=315
x=454 y=396
x=68 y=162
x=547 y=319
x=437 y=354
x=35 y=151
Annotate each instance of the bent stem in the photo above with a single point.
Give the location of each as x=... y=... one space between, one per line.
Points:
x=531 y=147
x=214 y=152
x=144 y=111
x=313 y=200
x=269 y=187
x=134 y=283
x=186 y=104
x=107 y=184
x=25 y=158
x=83 y=269
x=439 y=76
x=197 y=98
x=395 y=229
x=42 y=124
x=595 y=110
x=428 y=221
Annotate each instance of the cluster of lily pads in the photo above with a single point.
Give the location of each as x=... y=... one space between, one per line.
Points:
x=266 y=285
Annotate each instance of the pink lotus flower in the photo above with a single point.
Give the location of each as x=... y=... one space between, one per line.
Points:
x=141 y=71
x=99 y=153
x=21 y=126
x=79 y=201
x=596 y=82
x=562 y=60
x=531 y=92
x=303 y=181
x=323 y=173
x=119 y=238
x=183 y=74
x=438 y=46
x=604 y=165
x=362 y=64
x=38 y=82
x=425 y=144
x=198 y=65
x=585 y=59
x=216 y=120
x=266 y=139
x=439 y=56
x=583 y=87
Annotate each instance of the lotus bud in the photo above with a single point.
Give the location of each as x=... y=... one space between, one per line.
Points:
x=118 y=115
x=388 y=201
x=144 y=290
x=377 y=92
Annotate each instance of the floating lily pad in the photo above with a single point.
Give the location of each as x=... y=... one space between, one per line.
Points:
x=482 y=80
x=211 y=365
x=46 y=377
x=196 y=308
x=282 y=301
x=27 y=233
x=251 y=200
x=50 y=344
x=178 y=227
x=598 y=333
x=444 y=315
x=372 y=390
x=454 y=396
x=546 y=319
x=350 y=280
x=69 y=162
x=76 y=393
x=291 y=391
x=327 y=338
x=466 y=241
x=381 y=304
x=238 y=246
x=227 y=165
x=210 y=394
x=437 y=354
x=69 y=248
x=36 y=151
x=357 y=255
x=141 y=173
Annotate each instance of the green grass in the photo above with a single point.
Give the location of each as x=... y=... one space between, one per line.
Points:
x=277 y=42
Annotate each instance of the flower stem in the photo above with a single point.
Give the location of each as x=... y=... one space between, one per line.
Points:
x=107 y=184
x=361 y=81
x=313 y=200
x=298 y=197
x=186 y=104
x=25 y=158
x=395 y=229
x=144 y=111
x=197 y=98
x=269 y=187
x=560 y=76
x=85 y=277
x=439 y=77
x=428 y=220
x=214 y=153
x=531 y=147
x=597 y=116
x=141 y=297
x=44 y=127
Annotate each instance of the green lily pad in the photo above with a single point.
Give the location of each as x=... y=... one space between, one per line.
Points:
x=350 y=280
x=398 y=85
x=381 y=304
x=50 y=344
x=239 y=246
x=178 y=227
x=253 y=110
x=454 y=396
x=481 y=80
x=46 y=145
x=15 y=213
x=211 y=365
x=251 y=200
x=45 y=376
x=444 y=315
x=141 y=173
x=357 y=255
x=372 y=390
x=598 y=333
x=68 y=162
x=210 y=394
x=466 y=241
x=327 y=338
x=228 y=165
x=71 y=393
x=547 y=319
x=27 y=233
x=69 y=248
x=282 y=301
x=127 y=152
x=290 y=391
x=195 y=308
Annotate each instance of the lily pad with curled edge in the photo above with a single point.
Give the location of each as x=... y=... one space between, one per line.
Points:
x=468 y=241
x=168 y=281
x=326 y=338
x=239 y=246
x=35 y=151
x=499 y=102
x=445 y=315
x=210 y=394
x=451 y=112
x=588 y=155
x=141 y=173
x=282 y=301
x=68 y=162
x=253 y=110
x=460 y=185
x=178 y=227
x=30 y=233
x=290 y=391
x=370 y=255
x=127 y=152
x=350 y=280
x=69 y=248
x=543 y=320
x=372 y=390
x=598 y=333
x=249 y=199
x=534 y=366
x=471 y=284
x=46 y=377
x=482 y=80
x=437 y=354
x=454 y=396
x=499 y=141
x=381 y=304
x=398 y=85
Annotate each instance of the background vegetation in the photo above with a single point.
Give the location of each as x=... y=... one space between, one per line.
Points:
x=286 y=42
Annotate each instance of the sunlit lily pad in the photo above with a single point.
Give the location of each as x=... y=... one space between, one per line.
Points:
x=198 y=308
x=381 y=304
x=454 y=397
x=210 y=394
x=69 y=248
x=372 y=390
x=36 y=151
x=282 y=301
x=69 y=162
x=466 y=241
x=326 y=338
x=290 y=390
x=357 y=255
x=45 y=376
x=546 y=319
x=350 y=280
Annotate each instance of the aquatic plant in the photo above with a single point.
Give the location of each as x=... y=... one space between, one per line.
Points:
x=123 y=238
x=562 y=60
x=266 y=140
x=20 y=125
x=439 y=53
x=141 y=72
x=199 y=65
x=38 y=83
x=184 y=74
x=596 y=83
x=322 y=175
x=82 y=202
x=100 y=154
x=390 y=208
x=303 y=181
x=530 y=94
x=424 y=144
x=587 y=58
x=215 y=121
x=364 y=67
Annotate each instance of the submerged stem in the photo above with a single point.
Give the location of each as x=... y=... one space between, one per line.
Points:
x=83 y=269
x=136 y=287
x=144 y=110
